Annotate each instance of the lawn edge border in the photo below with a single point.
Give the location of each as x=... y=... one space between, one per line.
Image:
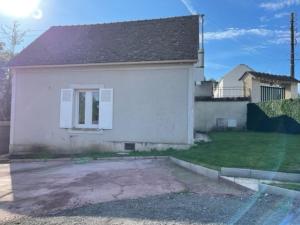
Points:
x=210 y=173
x=206 y=172
x=270 y=189
x=260 y=174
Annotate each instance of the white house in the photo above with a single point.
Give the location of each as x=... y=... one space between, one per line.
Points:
x=118 y=86
x=230 y=84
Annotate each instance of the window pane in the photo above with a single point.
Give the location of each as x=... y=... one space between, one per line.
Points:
x=81 y=117
x=95 y=112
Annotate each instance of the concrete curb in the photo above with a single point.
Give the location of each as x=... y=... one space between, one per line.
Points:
x=210 y=173
x=99 y=159
x=232 y=181
x=260 y=174
x=265 y=188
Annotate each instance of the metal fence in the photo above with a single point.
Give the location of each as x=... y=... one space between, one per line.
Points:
x=229 y=92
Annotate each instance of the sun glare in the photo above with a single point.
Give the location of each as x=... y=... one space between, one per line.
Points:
x=20 y=8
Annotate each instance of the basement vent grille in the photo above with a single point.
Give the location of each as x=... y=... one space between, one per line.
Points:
x=222 y=123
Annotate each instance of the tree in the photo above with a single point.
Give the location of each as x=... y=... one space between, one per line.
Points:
x=4 y=86
x=13 y=36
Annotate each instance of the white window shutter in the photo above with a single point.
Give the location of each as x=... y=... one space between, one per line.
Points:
x=66 y=108
x=106 y=109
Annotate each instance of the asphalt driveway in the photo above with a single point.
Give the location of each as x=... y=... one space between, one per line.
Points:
x=127 y=192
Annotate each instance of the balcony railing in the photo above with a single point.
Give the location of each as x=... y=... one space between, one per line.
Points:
x=230 y=92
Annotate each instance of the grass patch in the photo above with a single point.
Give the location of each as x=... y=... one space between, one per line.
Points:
x=290 y=186
x=262 y=151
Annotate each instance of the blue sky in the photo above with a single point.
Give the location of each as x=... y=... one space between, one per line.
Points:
x=253 y=32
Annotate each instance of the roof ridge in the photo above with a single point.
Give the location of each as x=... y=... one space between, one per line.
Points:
x=124 y=22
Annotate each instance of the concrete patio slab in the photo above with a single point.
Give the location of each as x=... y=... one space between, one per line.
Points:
x=39 y=188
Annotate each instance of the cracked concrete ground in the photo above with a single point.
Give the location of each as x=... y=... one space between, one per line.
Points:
x=40 y=188
x=127 y=192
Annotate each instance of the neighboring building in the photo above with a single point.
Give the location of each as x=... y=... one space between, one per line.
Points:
x=117 y=86
x=230 y=84
x=205 y=89
x=227 y=108
x=265 y=87
x=243 y=81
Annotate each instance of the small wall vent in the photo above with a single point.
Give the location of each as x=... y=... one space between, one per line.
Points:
x=222 y=123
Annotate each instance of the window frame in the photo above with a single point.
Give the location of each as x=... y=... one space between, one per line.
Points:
x=269 y=93
x=88 y=120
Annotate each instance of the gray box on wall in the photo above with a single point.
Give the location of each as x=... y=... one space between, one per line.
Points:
x=4 y=137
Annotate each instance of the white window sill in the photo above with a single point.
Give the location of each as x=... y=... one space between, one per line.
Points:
x=85 y=131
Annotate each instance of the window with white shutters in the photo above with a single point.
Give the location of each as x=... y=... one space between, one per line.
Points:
x=92 y=109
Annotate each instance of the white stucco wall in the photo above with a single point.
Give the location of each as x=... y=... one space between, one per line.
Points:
x=207 y=113
x=230 y=85
x=293 y=91
x=255 y=91
x=152 y=104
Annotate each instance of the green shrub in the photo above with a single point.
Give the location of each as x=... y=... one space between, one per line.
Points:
x=290 y=108
x=274 y=116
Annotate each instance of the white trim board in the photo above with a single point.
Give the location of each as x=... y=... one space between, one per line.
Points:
x=111 y=67
x=13 y=109
x=86 y=86
x=111 y=64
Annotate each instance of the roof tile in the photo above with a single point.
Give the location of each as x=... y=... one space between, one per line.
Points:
x=174 y=38
x=269 y=76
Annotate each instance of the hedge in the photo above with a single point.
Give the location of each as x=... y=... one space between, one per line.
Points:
x=274 y=116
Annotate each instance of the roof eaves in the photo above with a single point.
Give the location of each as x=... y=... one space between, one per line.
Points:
x=269 y=76
x=185 y=61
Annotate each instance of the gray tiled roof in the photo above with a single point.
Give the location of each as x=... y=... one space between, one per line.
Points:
x=174 y=38
x=268 y=76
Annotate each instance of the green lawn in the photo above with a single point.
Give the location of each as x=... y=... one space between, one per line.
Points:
x=265 y=151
